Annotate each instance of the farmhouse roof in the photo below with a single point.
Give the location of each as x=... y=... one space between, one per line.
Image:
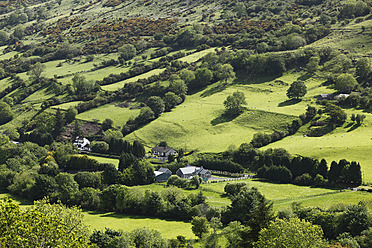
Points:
x=203 y=171
x=326 y=96
x=161 y=149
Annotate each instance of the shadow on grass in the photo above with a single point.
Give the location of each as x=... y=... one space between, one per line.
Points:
x=129 y=216
x=289 y=102
x=243 y=77
x=214 y=90
x=349 y=125
x=21 y=201
x=330 y=187
x=223 y=118
x=352 y=128
x=305 y=77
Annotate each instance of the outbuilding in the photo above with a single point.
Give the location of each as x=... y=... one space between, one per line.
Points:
x=162 y=175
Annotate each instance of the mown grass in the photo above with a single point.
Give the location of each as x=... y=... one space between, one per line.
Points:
x=7 y=55
x=196 y=56
x=327 y=200
x=106 y=160
x=168 y=228
x=117 y=114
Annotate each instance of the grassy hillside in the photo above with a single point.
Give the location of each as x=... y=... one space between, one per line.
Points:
x=199 y=121
x=342 y=143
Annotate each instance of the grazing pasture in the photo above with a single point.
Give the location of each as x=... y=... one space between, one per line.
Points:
x=200 y=119
x=118 y=115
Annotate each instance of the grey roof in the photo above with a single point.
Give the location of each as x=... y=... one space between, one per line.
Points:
x=161 y=149
x=165 y=170
x=326 y=96
x=188 y=169
x=203 y=171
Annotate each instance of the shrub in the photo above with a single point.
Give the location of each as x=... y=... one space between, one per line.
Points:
x=99 y=147
x=304 y=179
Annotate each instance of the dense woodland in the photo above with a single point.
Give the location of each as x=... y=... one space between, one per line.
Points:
x=246 y=39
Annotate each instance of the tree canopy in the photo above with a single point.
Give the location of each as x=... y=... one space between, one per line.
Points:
x=292 y=233
x=44 y=225
x=234 y=102
x=297 y=89
x=6 y=113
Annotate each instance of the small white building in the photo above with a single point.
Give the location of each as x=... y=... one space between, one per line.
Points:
x=82 y=144
x=338 y=97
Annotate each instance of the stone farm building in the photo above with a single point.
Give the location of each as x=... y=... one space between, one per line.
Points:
x=325 y=97
x=190 y=171
x=162 y=175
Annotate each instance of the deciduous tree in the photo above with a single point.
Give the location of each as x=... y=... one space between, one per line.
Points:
x=199 y=226
x=35 y=71
x=292 y=233
x=345 y=83
x=6 y=113
x=156 y=104
x=234 y=102
x=127 y=51
x=297 y=89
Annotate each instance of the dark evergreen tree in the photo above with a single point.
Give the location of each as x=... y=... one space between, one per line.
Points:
x=138 y=149
x=322 y=168
x=355 y=173
x=126 y=160
x=59 y=124
x=251 y=208
x=334 y=173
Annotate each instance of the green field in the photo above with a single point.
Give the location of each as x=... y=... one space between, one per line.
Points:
x=118 y=85
x=282 y=195
x=198 y=122
x=117 y=114
x=39 y=96
x=351 y=38
x=342 y=143
x=168 y=228
x=196 y=56
x=106 y=160
x=96 y=220
x=65 y=106
x=4 y=83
